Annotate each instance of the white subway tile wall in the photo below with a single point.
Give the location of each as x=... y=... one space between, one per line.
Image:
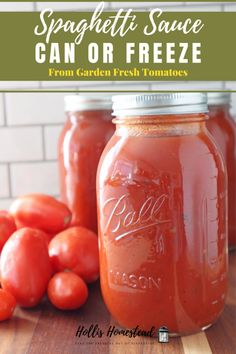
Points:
x=30 y=123
x=16 y=6
x=68 y=6
x=34 y=108
x=5 y=203
x=51 y=135
x=34 y=177
x=4 y=179
x=2 y=122
x=24 y=85
x=17 y=144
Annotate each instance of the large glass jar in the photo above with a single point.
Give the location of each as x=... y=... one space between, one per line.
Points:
x=223 y=128
x=161 y=192
x=83 y=138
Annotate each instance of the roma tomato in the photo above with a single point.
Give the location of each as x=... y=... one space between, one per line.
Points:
x=76 y=249
x=46 y=237
x=25 y=266
x=67 y=291
x=41 y=212
x=7 y=305
x=7 y=227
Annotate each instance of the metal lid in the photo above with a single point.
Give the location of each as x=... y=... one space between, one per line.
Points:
x=74 y=103
x=159 y=103
x=218 y=98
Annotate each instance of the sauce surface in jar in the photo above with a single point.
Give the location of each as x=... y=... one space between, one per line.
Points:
x=223 y=128
x=83 y=138
x=161 y=191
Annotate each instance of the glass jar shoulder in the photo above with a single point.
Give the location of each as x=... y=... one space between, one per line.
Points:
x=86 y=132
x=223 y=130
x=145 y=157
x=222 y=124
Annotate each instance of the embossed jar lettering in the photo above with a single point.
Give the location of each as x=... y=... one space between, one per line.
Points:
x=120 y=217
x=134 y=281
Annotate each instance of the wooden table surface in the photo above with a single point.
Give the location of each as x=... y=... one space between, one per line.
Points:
x=48 y=331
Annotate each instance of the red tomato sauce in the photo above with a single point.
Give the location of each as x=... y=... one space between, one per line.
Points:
x=162 y=224
x=223 y=128
x=81 y=143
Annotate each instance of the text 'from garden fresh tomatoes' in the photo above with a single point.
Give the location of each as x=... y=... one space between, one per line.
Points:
x=7 y=305
x=25 y=266
x=7 y=227
x=41 y=212
x=76 y=249
x=67 y=291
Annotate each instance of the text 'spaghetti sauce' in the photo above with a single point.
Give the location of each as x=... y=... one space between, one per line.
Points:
x=83 y=138
x=161 y=192
x=223 y=128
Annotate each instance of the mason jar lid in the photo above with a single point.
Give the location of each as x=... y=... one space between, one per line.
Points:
x=75 y=103
x=218 y=98
x=159 y=103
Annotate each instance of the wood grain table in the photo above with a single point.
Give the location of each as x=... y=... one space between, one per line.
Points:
x=44 y=330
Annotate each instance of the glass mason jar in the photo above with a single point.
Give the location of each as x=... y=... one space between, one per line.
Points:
x=161 y=193
x=83 y=138
x=223 y=128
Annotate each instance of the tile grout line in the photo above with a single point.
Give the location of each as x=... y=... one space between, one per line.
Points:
x=4 y=110
x=9 y=181
x=7 y=198
x=34 y=6
x=43 y=128
x=33 y=125
x=29 y=162
x=7 y=165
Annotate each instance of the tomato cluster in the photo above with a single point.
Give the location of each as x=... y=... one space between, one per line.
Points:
x=41 y=253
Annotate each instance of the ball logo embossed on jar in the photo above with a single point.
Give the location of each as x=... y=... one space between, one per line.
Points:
x=121 y=216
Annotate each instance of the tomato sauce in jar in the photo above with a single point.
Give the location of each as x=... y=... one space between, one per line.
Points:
x=161 y=194
x=223 y=128
x=83 y=138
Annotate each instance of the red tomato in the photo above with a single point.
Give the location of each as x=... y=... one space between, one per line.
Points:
x=50 y=236
x=7 y=227
x=67 y=291
x=7 y=305
x=46 y=236
x=25 y=266
x=41 y=212
x=76 y=249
